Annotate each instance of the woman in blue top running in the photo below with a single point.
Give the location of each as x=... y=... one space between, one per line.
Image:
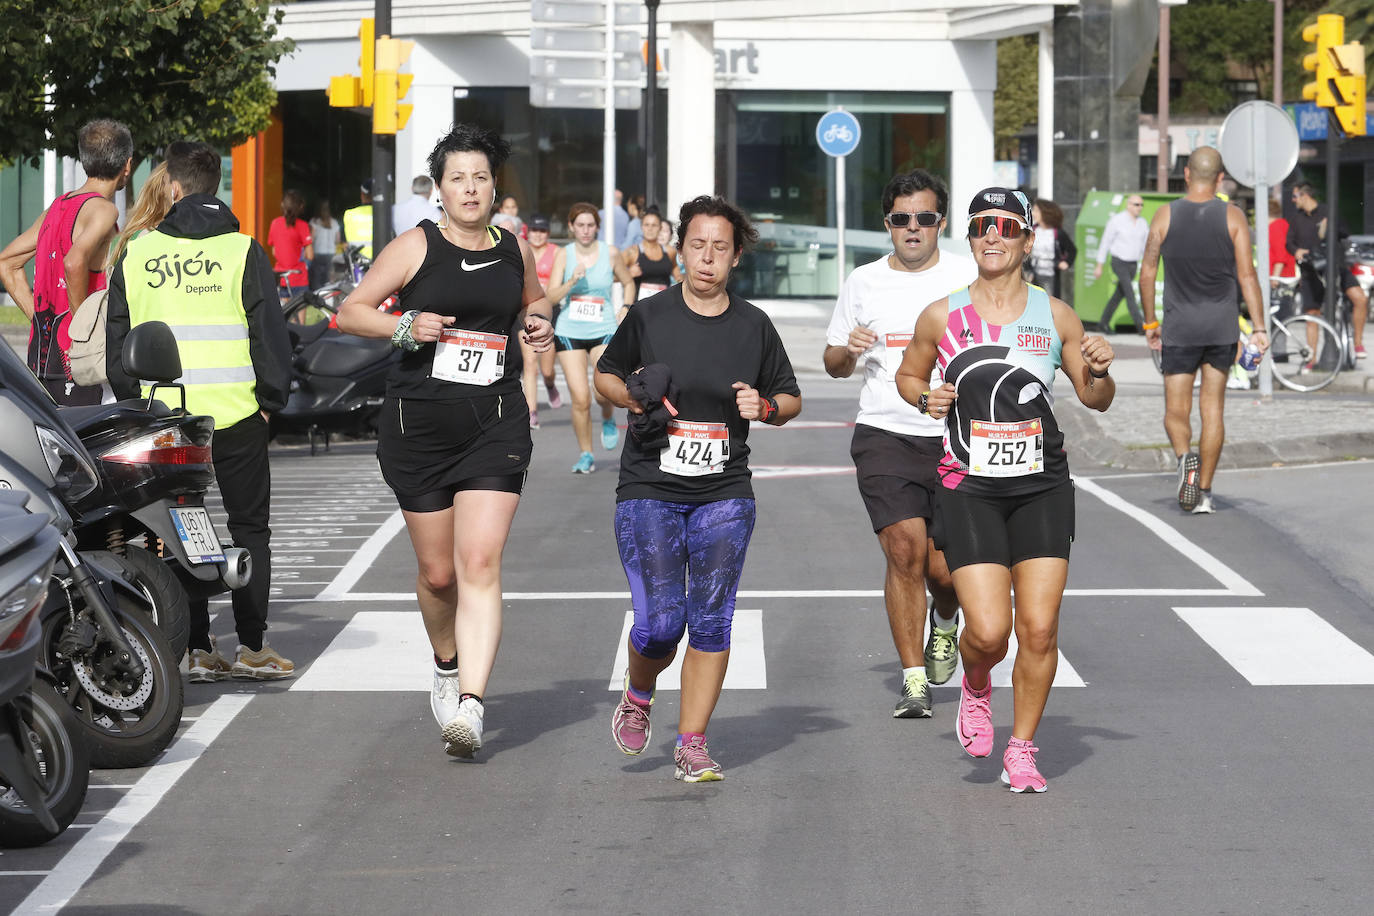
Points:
x=585 y=271
x=1005 y=517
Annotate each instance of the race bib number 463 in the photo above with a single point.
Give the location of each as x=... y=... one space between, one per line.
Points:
x=587 y=308
x=695 y=449
x=1006 y=449
x=469 y=357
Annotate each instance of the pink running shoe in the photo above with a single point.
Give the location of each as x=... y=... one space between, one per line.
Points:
x=973 y=723
x=1018 y=767
x=555 y=399
x=630 y=727
x=692 y=762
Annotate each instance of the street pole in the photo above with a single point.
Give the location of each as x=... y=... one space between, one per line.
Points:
x=1163 y=157
x=839 y=221
x=1278 y=52
x=650 y=110
x=608 y=147
x=383 y=153
x=1333 y=175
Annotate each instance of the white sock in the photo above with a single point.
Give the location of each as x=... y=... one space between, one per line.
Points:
x=945 y=623
x=919 y=669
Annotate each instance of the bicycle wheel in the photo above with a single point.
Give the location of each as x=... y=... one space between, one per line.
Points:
x=1310 y=366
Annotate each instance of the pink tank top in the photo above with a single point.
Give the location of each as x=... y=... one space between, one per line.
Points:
x=544 y=265
x=50 y=334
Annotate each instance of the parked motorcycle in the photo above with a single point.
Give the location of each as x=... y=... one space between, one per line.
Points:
x=338 y=381
x=44 y=761
x=155 y=467
x=108 y=659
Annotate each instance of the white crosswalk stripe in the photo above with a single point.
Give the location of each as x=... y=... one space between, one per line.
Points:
x=1271 y=646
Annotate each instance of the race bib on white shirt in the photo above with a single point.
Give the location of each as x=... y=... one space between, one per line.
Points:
x=469 y=357
x=695 y=449
x=1006 y=449
x=894 y=349
x=587 y=308
x=650 y=289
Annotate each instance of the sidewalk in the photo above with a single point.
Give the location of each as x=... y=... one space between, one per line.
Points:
x=1335 y=424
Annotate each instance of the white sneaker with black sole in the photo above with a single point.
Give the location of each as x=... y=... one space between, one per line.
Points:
x=463 y=733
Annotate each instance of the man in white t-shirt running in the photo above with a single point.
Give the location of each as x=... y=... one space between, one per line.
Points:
x=896 y=449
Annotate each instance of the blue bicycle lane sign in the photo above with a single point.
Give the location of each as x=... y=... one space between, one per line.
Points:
x=837 y=132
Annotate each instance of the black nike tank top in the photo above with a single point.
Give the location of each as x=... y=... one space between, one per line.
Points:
x=483 y=290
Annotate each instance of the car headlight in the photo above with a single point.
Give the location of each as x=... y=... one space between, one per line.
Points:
x=17 y=607
x=72 y=470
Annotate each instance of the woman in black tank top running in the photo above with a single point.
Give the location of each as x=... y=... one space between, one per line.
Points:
x=453 y=439
x=653 y=266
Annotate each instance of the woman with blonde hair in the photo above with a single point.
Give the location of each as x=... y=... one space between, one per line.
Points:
x=154 y=200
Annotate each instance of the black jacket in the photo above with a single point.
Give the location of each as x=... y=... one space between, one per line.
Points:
x=200 y=216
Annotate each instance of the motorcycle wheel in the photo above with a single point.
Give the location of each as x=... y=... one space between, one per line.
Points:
x=64 y=760
x=126 y=722
x=170 y=606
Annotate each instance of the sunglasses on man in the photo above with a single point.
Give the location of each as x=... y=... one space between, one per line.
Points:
x=926 y=219
x=1008 y=227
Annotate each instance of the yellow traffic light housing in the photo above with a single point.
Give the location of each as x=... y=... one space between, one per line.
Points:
x=368 y=45
x=1326 y=33
x=1349 y=85
x=356 y=91
x=389 y=114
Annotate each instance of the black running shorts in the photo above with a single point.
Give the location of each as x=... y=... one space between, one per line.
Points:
x=896 y=474
x=1004 y=529
x=429 y=450
x=1186 y=360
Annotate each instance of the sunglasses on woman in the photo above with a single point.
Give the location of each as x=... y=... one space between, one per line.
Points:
x=1008 y=227
x=926 y=219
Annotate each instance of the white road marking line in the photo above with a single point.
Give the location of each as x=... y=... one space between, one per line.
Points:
x=362 y=561
x=1274 y=646
x=748 y=669
x=1064 y=675
x=1233 y=581
x=779 y=471
x=76 y=867
x=23 y=874
x=377 y=650
x=790 y=593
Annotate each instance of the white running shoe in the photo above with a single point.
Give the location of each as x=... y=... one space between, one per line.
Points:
x=463 y=733
x=1204 y=504
x=444 y=696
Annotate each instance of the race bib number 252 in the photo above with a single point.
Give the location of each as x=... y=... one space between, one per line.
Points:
x=1006 y=449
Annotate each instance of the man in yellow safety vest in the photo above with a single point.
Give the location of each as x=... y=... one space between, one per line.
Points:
x=214 y=286
x=357 y=222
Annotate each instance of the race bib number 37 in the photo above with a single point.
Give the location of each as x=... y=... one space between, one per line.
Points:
x=1006 y=449
x=695 y=449
x=469 y=357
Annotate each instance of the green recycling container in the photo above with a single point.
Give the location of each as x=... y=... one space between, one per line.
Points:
x=1091 y=294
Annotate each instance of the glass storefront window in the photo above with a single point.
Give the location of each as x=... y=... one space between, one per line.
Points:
x=769 y=163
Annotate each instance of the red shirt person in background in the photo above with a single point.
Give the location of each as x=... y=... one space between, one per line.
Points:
x=1281 y=260
x=291 y=244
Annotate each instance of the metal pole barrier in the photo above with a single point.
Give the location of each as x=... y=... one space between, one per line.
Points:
x=650 y=108
x=608 y=148
x=383 y=154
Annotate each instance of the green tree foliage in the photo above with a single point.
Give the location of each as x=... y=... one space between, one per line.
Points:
x=1215 y=41
x=169 y=69
x=1015 y=103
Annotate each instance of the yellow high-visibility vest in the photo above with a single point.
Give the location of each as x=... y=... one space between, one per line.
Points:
x=357 y=224
x=195 y=286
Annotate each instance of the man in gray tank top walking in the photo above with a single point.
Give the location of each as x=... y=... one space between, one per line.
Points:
x=1206 y=243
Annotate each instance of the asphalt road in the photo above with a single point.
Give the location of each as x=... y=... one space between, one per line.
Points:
x=1204 y=743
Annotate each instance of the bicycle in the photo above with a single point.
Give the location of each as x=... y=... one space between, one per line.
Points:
x=1304 y=349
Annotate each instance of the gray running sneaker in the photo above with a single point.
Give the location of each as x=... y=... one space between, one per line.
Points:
x=1204 y=505
x=942 y=649
x=463 y=733
x=1188 y=490
x=915 y=701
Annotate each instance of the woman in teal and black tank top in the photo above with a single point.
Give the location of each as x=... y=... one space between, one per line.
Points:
x=584 y=277
x=1005 y=517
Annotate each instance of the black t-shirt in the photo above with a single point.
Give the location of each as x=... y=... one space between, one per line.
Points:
x=484 y=291
x=706 y=356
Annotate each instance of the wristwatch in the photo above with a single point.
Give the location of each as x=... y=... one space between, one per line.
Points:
x=770 y=407
x=923 y=402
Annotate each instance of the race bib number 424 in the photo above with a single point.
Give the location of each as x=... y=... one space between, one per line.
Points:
x=469 y=357
x=695 y=449
x=1006 y=449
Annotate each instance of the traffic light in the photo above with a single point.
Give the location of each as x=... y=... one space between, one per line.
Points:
x=1349 y=78
x=1326 y=33
x=389 y=115
x=355 y=91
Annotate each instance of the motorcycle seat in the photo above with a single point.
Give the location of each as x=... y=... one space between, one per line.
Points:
x=84 y=418
x=341 y=356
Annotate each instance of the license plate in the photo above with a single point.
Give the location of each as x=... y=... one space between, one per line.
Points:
x=197 y=535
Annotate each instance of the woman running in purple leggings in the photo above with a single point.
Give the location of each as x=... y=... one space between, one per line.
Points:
x=685 y=506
